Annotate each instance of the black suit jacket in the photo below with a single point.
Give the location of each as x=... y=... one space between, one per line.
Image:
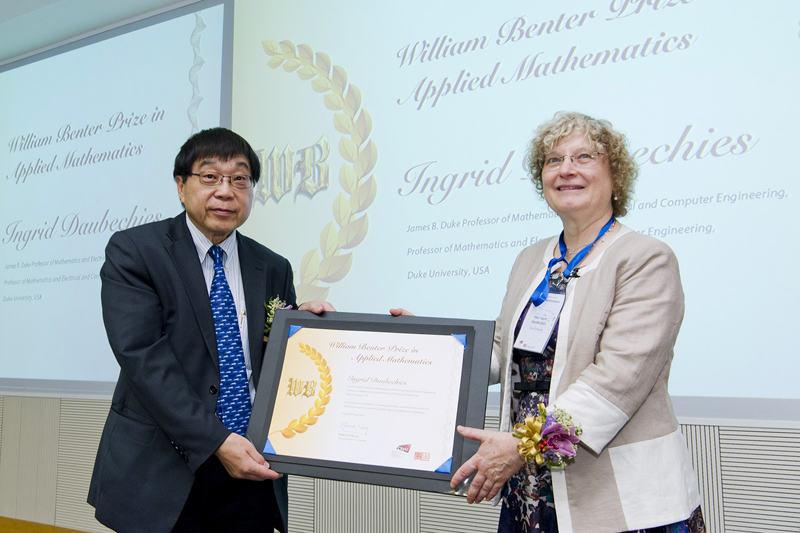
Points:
x=162 y=424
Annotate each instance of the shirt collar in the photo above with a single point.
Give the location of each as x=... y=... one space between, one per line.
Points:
x=203 y=244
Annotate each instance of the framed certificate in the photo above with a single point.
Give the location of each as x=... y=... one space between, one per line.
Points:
x=371 y=398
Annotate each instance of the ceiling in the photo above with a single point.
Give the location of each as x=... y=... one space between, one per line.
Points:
x=32 y=26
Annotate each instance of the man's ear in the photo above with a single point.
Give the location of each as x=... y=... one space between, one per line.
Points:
x=179 y=182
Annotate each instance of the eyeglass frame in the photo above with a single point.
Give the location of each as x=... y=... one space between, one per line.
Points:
x=593 y=159
x=250 y=182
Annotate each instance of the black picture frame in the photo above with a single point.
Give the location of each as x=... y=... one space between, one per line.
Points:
x=471 y=403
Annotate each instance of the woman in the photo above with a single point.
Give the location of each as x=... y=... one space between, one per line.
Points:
x=606 y=362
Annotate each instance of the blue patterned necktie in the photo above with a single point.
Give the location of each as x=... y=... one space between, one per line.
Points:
x=233 y=404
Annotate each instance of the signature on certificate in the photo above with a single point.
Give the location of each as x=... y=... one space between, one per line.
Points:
x=353 y=429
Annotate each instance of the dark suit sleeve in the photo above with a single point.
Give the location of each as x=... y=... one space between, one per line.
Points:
x=291 y=297
x=136 y=312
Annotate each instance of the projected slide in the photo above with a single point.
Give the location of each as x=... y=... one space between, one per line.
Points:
x=88 y=140
x=393 y=141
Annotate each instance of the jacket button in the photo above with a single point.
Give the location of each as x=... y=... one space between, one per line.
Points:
x=212 y=389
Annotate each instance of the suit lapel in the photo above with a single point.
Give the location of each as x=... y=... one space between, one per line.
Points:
x=183 y=252
x=254 y=281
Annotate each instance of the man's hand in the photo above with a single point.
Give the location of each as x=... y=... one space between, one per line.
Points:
x=317 y=307
x=241 y=459
x=495 y=461
x=399 y=311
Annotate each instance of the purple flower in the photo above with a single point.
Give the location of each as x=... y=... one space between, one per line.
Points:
x=560 y=439
x=550 y=455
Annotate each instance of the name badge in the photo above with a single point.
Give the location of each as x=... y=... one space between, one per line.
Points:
x=537 y=328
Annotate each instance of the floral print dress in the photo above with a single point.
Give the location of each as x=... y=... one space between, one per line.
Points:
x=528 y=504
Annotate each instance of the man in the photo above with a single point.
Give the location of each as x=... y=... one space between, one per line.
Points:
x=172 y=456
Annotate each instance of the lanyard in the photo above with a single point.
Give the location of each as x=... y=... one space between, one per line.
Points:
x=540 y=294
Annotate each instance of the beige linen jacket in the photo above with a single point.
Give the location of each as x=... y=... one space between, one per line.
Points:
x=615 y=345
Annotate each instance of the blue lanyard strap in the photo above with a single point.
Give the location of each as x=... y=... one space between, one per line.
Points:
x=539 y=296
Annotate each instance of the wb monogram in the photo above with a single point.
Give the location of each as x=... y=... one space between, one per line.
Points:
x=307 y=167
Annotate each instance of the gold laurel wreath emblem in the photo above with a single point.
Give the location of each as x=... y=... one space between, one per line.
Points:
x=348 y=229
x=300 y=425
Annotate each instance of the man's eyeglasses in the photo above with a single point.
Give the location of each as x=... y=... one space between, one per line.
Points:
x=582 y=160
x=209 y=178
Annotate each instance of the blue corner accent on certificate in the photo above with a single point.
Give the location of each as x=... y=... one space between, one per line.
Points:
x=293 y=330
x=462 y=338
x=269 y=449
x=447 y=466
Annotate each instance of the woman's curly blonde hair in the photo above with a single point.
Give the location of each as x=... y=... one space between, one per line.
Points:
x=603 y=137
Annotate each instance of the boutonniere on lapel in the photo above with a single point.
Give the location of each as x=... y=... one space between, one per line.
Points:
x=272 y=306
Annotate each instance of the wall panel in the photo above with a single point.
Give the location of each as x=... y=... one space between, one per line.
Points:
x=760 y=479
x=80 y=427
x=703 y=443
x=442 y=512
x=364 y=508
x=29 y=459
x=301 y=504
x=2 y=402
x=9 y=459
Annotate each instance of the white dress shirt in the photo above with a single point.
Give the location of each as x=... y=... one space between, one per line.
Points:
x=233 y=274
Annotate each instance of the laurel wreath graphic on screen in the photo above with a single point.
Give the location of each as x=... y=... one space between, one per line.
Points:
x=300 y=425
x=330 y=263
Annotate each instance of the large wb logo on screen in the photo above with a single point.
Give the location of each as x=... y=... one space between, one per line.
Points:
x=305 y=171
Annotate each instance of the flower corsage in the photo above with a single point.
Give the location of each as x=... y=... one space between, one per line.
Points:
x=548 y=438
x=273 y=305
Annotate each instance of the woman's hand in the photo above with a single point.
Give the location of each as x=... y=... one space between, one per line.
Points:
x=316 y=306
x=496 y=461
x=397 y=311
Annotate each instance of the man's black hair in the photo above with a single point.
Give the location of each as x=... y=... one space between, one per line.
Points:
x=220 y=143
